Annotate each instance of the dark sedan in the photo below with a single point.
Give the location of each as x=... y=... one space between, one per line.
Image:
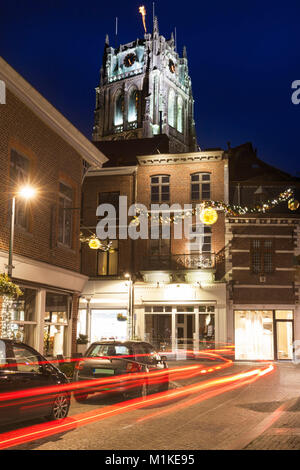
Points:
x=132 y=368
x=23 y=369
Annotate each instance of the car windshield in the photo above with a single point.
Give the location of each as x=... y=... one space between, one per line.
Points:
x=108 y=350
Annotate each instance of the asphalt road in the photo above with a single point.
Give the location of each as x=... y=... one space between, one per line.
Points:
x=240 y=418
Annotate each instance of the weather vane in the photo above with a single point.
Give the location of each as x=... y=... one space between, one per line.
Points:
x=142 y=11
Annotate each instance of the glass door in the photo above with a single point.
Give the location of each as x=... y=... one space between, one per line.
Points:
x=284 y=334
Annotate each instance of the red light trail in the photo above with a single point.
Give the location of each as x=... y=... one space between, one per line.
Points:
x=223 y=384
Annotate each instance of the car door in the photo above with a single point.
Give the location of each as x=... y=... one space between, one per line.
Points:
x=9 y=412
x=30 y=374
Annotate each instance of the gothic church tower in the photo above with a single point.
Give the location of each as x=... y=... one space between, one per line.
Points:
x=145 y=90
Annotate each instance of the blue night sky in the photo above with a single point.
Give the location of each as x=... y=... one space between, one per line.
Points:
x=243 y=57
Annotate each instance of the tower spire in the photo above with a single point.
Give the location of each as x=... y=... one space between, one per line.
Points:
x=155 y=26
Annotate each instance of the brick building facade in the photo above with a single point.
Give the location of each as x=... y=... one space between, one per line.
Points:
x=173 y=296
x=39 y=147
x=261 y=261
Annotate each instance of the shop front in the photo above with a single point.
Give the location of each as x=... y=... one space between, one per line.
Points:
x=104 y=311
x=42 y=316
x=180 y=327
x=264 y=334
x=181 y=317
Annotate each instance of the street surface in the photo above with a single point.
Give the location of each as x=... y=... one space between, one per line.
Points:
x=264 y=414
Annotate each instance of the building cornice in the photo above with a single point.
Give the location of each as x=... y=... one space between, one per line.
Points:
x=53 y=118
x=179 y=158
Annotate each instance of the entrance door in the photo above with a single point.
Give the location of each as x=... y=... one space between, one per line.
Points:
x=284 y=334
x=185 y=327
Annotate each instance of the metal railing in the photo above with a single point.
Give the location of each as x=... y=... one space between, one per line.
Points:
x=179 y=261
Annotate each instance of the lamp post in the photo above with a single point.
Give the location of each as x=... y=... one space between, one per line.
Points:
x=26 y=192
x=130 y=305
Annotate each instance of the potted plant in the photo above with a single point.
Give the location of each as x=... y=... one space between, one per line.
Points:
x=8 y=292
x=121 y=317
x=82 y=341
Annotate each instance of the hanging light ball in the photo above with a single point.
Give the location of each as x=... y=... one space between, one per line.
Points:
x=208 y=216
x=94 y=243
x=293 y=204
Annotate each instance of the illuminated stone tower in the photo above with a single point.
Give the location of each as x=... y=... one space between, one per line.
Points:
x=145 y=90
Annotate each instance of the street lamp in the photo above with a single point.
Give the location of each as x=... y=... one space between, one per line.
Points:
x=25 y=192
x=130 y=305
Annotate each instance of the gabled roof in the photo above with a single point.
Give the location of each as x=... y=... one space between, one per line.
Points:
x=50 y=115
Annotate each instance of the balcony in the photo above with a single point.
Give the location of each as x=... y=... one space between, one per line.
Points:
x=190 y=261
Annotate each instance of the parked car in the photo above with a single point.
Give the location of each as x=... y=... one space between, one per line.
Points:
x=23 y=368
x=111 y=359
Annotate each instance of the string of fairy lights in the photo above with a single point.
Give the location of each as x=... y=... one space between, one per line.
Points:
x=207 y=211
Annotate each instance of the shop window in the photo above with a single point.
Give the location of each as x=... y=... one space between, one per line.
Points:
x=158 y=329
x=2 y=352
x=262 y=254
x=108 y=325
x=254 y=335
x=200 y=186
x=284 y=314
x=183 y=308
x=81 y=322
x=65 y=214
x=21 y=317
x=56 y=323
x=206 y=330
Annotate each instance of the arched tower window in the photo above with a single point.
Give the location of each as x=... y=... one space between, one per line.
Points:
x=133 y=104
x=119 y=109
x=171 y=108
x=179 y=114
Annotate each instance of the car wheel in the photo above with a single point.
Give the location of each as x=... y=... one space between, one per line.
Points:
x=80 y=397
x=60 y=407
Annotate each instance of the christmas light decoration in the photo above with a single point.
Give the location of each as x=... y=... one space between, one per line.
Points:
x=94 y=243
x=209 y=216
x=293 y=204
x=228 y=209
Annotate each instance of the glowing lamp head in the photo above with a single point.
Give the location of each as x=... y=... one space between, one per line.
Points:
x=208 y=216
x=27 y=192
x=127 y=275
x=94 y=243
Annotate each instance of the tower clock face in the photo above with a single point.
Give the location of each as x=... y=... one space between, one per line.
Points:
x=129 y=60
x=171 y=66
